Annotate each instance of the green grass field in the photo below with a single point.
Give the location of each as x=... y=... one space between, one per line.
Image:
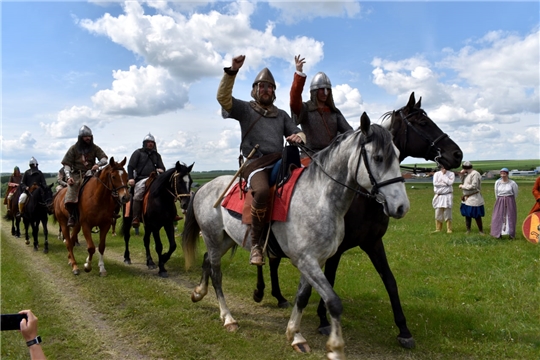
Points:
x=465 y=297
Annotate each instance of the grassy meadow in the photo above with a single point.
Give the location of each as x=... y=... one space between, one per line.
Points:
x=464 y=296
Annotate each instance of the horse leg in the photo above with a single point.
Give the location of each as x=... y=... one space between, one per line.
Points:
x=312 y=272
x=330 y=269
x=149 y=261
x=102 y=243
x=26 y=237
x=274 y=279
x=87 y=232
x=377 y=256
x=216 y=275
x=45 y=234
x=258 y=293
x=202 y=289
x=299 y=343
x=126 y=226
x=35 y=228
x=69 y=241
x=169 y=230
x=159 y=250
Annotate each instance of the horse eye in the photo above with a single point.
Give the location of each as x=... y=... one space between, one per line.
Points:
x=378 y=158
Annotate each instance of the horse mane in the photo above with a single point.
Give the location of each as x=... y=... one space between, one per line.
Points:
x=158 y=183
x=379 y=136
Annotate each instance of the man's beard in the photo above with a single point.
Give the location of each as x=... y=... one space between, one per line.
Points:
x=83 y=147
x=265 y=101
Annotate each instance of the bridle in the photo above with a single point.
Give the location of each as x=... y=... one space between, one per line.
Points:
x=423 y=135
x=112 y=189
x=374 y=194
x=174 y=186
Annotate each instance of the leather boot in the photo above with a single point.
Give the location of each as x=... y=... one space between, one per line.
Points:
x=258 y=214
x=448 y=226
x=438 y=226
x=71 y=209
x=21 y=210
x=136 y=210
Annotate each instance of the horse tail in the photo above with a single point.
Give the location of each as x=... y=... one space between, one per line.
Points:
x=190 y=235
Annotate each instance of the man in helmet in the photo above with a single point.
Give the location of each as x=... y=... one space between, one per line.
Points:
x=142 y=163
x=31 y=176
x=79 y=159
x=262 y=123
x=318 y=117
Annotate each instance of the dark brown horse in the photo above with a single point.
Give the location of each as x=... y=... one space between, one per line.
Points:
x=97 y=202
x=416 y=135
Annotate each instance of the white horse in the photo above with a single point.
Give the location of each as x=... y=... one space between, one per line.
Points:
x=314 y=228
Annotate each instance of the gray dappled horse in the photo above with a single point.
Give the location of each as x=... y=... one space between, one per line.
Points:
x=314 y=227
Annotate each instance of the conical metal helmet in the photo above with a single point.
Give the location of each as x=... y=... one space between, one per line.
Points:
x=85 y=131
x=265 y=76
x=320 y=81
x=33 y=161
x=149 y=137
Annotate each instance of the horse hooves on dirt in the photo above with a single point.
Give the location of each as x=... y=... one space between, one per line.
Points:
x=325 y=330
x=283 y=305
x=103 y=273
x=27 y=242
x=163 y=274
x=232 y=327
x=36 y=248
x=301 y=348
x=151 y=266
x=127 y=261
x=407 y=343
x=76 y=272
x=256 y=296
x=45 y=251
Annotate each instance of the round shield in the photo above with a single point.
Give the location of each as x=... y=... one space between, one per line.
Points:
x=531 y=227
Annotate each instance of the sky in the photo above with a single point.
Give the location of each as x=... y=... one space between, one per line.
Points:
x=126 y=69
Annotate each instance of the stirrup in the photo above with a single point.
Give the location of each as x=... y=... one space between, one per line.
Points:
x=256 y=256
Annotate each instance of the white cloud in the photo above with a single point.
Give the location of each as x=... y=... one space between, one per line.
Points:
x=293 y=11
x=349 y=101
x=69 y=121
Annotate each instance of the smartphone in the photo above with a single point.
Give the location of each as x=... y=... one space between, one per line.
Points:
x=11 y=321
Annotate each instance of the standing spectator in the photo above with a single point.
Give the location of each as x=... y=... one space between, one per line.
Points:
x=536 y=194
x=503 y=220
x=472 y=202
x=442 y=201
x=13 y=184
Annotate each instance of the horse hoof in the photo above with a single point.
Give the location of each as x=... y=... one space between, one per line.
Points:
x=407 y=343
x=103 y=273
x=283 y=305
x=45 y=251
x=302 y=348
x=87 y=269
x=325 y=330
x=127 y=261
x=256 y=297
x=27 y=242
x=232 y=327
x=196 y=297
x=151 y=266
x=76 y=272
x=163 y=274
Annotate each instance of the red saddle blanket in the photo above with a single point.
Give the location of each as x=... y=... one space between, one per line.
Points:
x=282 y=198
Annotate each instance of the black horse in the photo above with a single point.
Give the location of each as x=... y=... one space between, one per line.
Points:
x=159 y=212
x=37 y=210
x=12 y=211
x=416 y=135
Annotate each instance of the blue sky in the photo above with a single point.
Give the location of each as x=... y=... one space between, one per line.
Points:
x=126 y=69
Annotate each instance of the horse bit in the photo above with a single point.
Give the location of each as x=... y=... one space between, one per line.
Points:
x=173 y=182
x=423 y=136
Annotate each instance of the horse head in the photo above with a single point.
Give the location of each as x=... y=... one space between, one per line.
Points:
x=48 y=198
x=379 y=159
x=115 y=177
x=416 y=135
x=182 y=183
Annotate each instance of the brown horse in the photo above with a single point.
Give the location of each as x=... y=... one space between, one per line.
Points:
x=97 y=202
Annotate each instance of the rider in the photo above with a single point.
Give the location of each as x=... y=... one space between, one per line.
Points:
x=79 y=159
x=61 y=179
x=262 y=123
x=31 y=176
x=318 y=117
x=13 y=184
x=142 y=163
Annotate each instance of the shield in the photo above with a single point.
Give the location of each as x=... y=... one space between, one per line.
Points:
x=531 y=227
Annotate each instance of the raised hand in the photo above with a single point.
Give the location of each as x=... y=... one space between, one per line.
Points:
x=237 y=62
x=299 y=62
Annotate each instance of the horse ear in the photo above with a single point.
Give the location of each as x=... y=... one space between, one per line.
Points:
x=178 y=166
x=365 y=123
x=123 y=162
x=190 y=167
x=111 y=162
x=418 y=105
x=411 y=102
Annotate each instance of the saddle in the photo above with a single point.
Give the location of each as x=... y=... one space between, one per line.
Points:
x=153 y=175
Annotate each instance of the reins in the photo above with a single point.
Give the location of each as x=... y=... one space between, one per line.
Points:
x=432 y=144
x=114 y=191
x=374 y=194
x=174 y=185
